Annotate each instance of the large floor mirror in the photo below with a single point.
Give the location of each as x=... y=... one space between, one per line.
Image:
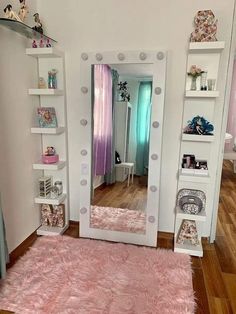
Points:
x=122 y=103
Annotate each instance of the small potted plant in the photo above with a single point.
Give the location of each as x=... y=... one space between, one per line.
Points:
x=194 y=72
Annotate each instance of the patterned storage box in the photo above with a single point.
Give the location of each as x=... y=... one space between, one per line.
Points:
x=191 y=201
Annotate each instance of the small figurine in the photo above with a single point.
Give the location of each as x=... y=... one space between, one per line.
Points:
x=23 y=10
x=41 y=43
x=9 y=14
x=42 y=83
x=50 y=151
x=38 y=25
x=34 y=44
x=200 y=126
x=48 y=43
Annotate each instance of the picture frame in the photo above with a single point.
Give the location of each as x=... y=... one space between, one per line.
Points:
x=47 y=117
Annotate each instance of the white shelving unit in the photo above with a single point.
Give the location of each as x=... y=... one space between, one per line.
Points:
x=45 y=92
x=51 y=58
x=205 y=55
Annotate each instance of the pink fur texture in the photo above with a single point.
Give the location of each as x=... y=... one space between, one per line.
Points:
x=80 y=276
x=118 y=219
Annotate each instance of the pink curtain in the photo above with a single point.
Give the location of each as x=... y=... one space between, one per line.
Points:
x=231 y=124
x=102 y=115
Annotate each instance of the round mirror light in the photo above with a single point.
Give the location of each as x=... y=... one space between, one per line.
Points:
x=84 y=56
x=156 y=124
x=142 y=56
x=83 y=210
x=83 y=182
x=121 y=56
x=151 y=219
x=153 y=188
x=99 y=57
x=157 y=90
x=83 y=122
x=83 y=152
x=160 y=55
x=84 y=89
x=154 y=156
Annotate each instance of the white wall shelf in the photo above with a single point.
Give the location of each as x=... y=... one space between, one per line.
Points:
x=206 y=47
x=58 y=130
x=55 y=166
x=45 y=92
x=202 y=94
x=47 y=59
x=47 y=230
x=198 y=138
x=193 y=177
x=50 y=52
x=190 y=249
x=182 y=215
x=51 y=201
x=206 y=56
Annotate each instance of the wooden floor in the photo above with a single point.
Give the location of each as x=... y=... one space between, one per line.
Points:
x=120 y=196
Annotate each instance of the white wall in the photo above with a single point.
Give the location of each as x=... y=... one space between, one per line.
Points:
x=82 y=26
x=18 y=148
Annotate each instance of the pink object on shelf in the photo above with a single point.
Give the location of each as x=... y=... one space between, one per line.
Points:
x=50 y=159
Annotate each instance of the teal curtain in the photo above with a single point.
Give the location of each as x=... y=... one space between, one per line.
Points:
x=143 y=127
x=110 y=177
x=4 y=257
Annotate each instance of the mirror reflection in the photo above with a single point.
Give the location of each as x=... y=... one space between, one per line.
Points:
x=121 y=103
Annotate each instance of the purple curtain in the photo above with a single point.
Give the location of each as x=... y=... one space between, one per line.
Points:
x=231 y=124
x=102 y=115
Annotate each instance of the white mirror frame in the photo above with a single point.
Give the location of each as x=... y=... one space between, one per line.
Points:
x=158 y=98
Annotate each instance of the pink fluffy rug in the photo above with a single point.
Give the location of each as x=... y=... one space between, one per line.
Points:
x=118 y=219
x=79 y=276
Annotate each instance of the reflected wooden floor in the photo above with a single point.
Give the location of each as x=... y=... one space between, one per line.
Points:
x=120 y=196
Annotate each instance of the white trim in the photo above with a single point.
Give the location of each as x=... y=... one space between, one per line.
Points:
x=159 y=78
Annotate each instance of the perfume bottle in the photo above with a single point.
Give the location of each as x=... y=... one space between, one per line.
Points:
x=204 y=81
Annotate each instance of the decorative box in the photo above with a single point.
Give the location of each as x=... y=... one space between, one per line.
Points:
x=53 y=215
x=50 y=159
x=45 y=185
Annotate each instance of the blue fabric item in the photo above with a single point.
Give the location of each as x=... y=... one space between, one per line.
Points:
x=143 y=127
x=4 y=257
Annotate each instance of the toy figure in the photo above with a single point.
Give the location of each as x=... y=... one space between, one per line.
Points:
x=23 y=10
x=200 y=126
x=42 y=83
x=41 y=43
x=34 y=44
x=38 y=25
x=9 y=14
x=50 y=151
x=48 y=43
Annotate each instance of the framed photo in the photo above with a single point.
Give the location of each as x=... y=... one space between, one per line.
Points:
x=53 y=215
x=47 y=117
